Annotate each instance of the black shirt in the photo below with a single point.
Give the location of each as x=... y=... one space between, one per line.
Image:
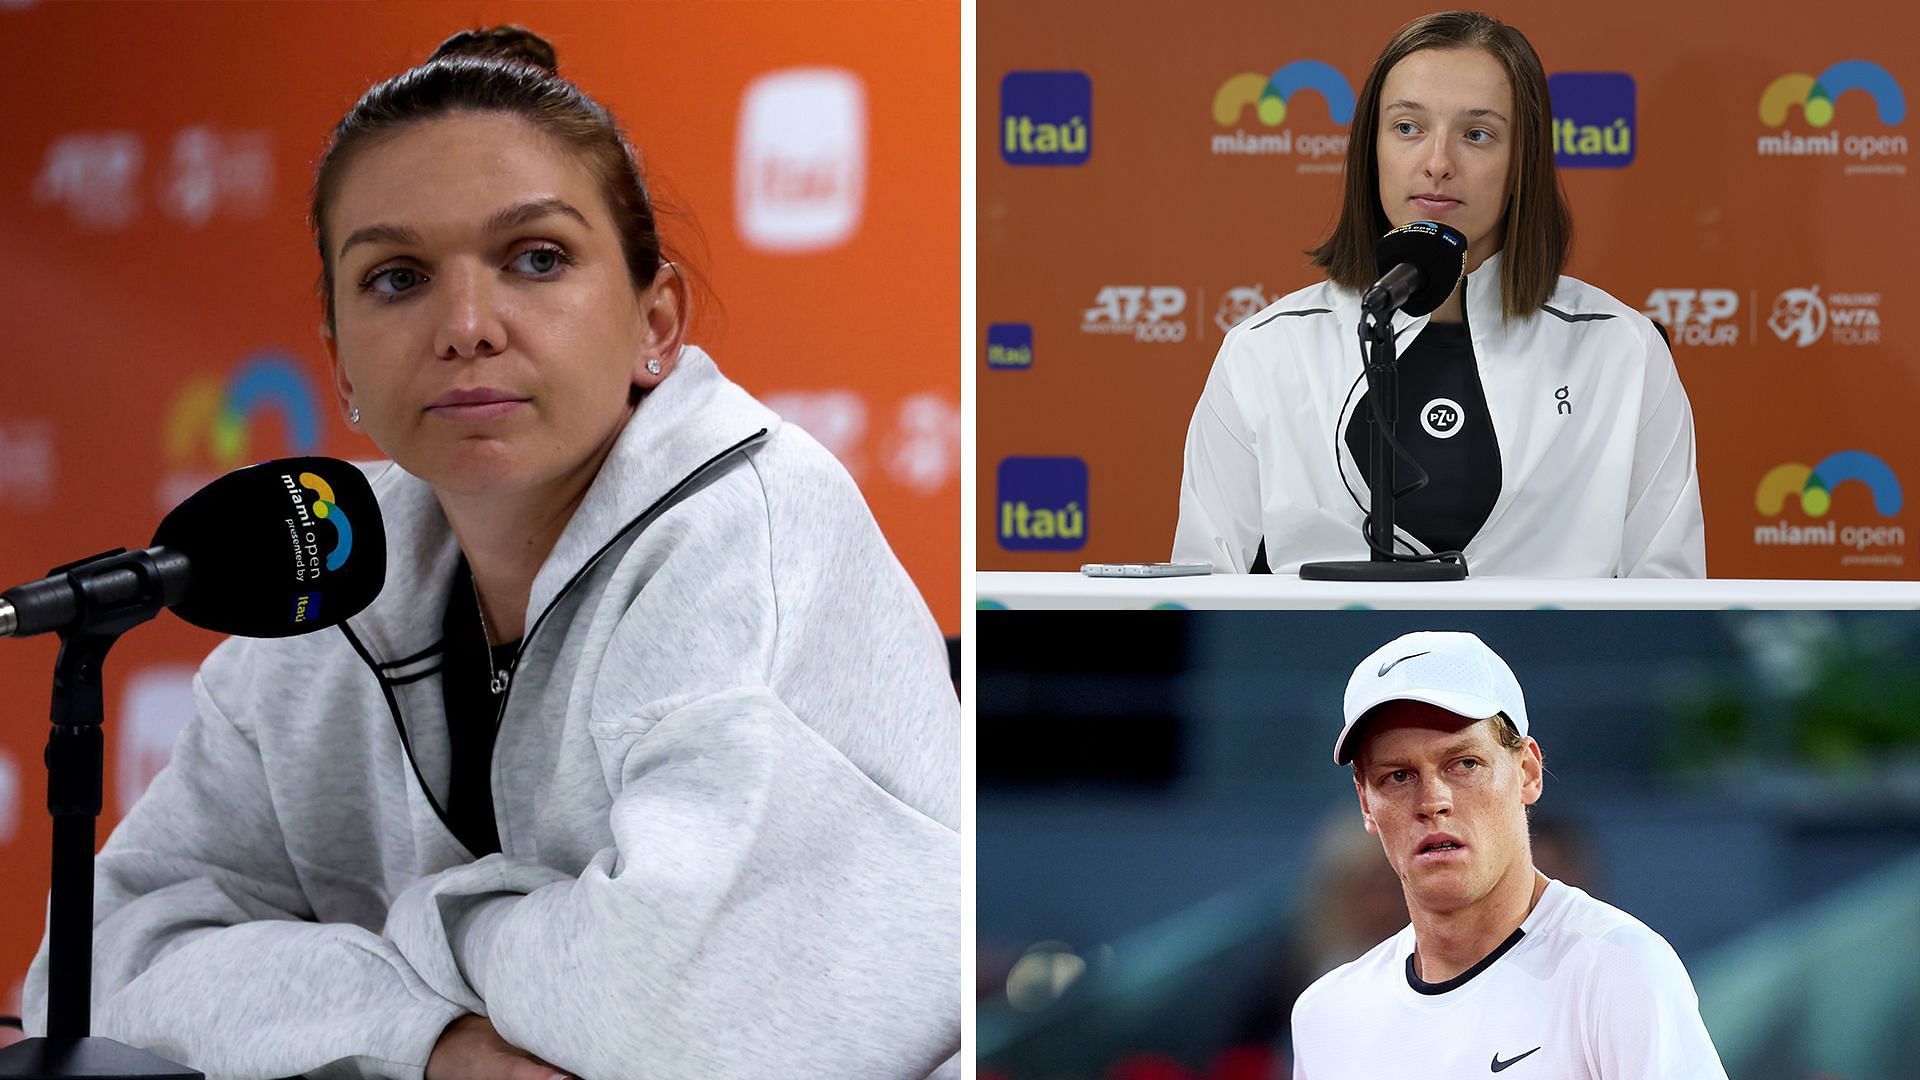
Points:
x=1443 y=424
x=473 y=714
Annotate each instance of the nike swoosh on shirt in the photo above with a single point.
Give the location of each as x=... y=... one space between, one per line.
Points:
x=1389 y=666
x=1499 y=1065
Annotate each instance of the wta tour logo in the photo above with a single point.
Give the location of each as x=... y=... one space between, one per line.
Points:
x=1818 y=101
x=1813 y=489
x=1273 y=98
x=212 y=424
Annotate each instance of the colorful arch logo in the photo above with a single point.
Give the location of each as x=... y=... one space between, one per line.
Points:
x=218 y=416
x=1269 y=94
x=1815 y=486
x=325 y=509
x=1816 y=96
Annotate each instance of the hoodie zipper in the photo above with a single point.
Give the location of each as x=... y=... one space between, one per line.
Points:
x=638 y=522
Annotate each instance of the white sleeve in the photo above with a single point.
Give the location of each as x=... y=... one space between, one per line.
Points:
x=1645 y=1023
x=1665 y=534
x=205 y=948
x=766 y=910
x=1220 y=480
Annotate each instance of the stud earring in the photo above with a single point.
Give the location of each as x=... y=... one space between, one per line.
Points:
x=353 y=415
x=653 y=365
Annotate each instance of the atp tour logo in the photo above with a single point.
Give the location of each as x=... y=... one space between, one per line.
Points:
x=1240 y=304
x=211 y=423
x=1593 y=119
x=1042 y=503
x=1010 y=346
x=1046 y=117
x=1817 y=100
x=303 y=531
x=1142 y=312
x=1273 y=97
x=1802 y=316
x=1814 y=490
x=1696 y=316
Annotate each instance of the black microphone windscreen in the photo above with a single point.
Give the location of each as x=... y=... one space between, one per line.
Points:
x=1440 y=253
x=281 y=548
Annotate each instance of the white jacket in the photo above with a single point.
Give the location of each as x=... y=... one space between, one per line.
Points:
x=1594 y=429
x=726 y=782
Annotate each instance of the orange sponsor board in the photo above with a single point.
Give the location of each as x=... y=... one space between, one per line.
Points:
x=1745 y=180
x=161 y=316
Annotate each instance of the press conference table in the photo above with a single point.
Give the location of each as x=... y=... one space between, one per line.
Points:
x=1015 y=590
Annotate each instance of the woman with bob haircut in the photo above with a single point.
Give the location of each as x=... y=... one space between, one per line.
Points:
x=644 y=762
x=1547 y=415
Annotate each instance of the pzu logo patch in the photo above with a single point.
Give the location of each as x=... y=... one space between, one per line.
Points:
x=1442 y=418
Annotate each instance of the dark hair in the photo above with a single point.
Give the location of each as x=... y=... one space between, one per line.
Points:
x=506 y=69
x=1539 y=230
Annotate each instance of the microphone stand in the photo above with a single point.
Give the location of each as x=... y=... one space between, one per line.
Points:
x=118 y=591
x=1383 y=386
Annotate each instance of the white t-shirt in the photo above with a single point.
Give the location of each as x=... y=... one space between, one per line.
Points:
x=1581 y=991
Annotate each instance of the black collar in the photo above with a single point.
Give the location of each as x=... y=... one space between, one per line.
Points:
x=1421 y=986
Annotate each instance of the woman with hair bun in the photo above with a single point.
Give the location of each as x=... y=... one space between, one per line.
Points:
x=644 y=763
x=1545 y=430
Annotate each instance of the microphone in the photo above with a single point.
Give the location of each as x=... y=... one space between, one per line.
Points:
x=272 y=550
x=1420 y=265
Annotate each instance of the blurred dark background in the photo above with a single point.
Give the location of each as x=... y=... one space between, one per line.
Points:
x=1168 y=855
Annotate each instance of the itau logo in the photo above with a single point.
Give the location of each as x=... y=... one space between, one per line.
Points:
x=1818 y=99
x=9 y=797
x=1593 y=119
x=1046 y=118
x=800 y=164
x=1803 y=316
x=153 y=711
x=1042 y=503
x=1813 y=488
x=1010 y=346
x=1271 y=98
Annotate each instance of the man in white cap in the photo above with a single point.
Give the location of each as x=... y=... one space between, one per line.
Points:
x=1501 y=968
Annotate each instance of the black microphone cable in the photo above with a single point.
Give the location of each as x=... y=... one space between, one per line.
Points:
x=1400 y=453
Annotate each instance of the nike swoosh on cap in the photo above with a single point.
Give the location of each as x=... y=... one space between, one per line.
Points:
x=1499 y=1065
x=1389 y=666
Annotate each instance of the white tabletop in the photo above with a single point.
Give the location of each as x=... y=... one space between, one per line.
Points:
x=1007 y=589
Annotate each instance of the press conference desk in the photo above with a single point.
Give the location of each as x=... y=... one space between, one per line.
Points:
x=1005 y=589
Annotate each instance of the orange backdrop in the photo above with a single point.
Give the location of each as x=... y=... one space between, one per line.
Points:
x=152 y=204
x=1112 y=259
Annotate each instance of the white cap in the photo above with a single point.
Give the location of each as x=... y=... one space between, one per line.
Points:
x=1449 y=669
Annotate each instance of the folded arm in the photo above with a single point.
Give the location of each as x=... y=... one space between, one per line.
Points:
x=205 y=950
x=766 y=909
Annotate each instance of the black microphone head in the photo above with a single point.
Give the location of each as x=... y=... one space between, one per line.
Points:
x=1440 y=253
x=281 y=548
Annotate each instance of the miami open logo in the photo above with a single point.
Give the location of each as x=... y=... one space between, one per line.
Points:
x=213 y=423
x=1817 y=99
x=1272 y=97
x=1813 y=489
x=303 y=528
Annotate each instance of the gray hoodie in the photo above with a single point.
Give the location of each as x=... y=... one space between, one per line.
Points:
x=726 y=781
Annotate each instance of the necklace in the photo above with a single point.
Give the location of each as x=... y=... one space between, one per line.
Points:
x=496 y=677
